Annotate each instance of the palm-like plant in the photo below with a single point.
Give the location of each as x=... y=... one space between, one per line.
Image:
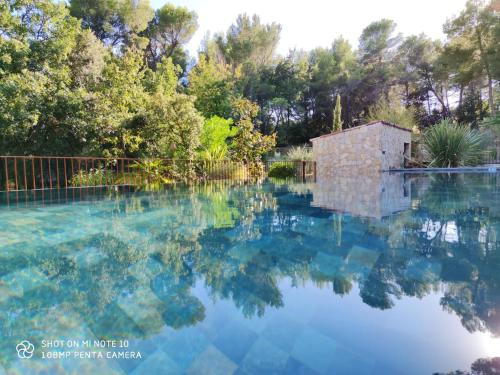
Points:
x=450 y=145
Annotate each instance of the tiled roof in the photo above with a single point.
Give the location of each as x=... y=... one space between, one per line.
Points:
x=361 y=126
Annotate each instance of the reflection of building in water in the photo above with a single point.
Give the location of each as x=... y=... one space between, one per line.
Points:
x=371 y=195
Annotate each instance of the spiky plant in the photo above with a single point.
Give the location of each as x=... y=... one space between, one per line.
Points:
x=450 y=145
x=299 y=153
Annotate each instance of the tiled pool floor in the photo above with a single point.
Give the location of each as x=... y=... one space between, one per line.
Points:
x=254 y=279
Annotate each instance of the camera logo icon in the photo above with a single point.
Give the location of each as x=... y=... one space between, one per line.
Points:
x=25 y=349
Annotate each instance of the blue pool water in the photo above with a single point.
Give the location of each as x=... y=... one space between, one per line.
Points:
x=389 y=274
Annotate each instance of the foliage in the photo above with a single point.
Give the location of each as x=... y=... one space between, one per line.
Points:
x=173 y=127
x=492 y=124
x=215 y=135
x=108 y=78
x=282 y=170
x=450 y=145
x=164 y=79
x=337 y=115
x=474 y=45
x=85 y=100
x=212 y=84
x=94 y=177
x=490 y=127
x=299 y=153
x=248 y=41
x=153 y=172
x=170 y=28
x=215 y=153
x=393 y=112
x=471 y=110
x=249 y=144
x=218 y=169
x=115 y=22
x=43 y=109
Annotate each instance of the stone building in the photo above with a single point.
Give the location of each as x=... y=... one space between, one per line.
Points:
x=373 y=147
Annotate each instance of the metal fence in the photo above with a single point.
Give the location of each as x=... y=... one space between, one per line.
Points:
x=301 y=169
x=493 y=157
x=21 y=173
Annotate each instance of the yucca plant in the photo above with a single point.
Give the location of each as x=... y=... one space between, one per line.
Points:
x=449 y=145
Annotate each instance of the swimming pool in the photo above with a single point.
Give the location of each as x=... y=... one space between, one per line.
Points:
x=395 y=274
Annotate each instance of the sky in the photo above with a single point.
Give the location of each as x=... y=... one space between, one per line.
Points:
x=307 y=24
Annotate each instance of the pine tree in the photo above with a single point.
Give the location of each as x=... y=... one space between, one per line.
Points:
x=337 y=119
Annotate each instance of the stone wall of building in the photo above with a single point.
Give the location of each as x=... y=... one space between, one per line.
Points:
x=392 y=143
x=343 y=152
x=367 y=148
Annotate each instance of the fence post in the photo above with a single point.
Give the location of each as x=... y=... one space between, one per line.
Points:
x=303 y=170
x=6 y=174
x=15 y=174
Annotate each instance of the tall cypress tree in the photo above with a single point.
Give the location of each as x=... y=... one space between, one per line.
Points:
x=337 y=119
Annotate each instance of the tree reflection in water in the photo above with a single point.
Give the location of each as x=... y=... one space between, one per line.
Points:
x=136 y=273
x=483 y=366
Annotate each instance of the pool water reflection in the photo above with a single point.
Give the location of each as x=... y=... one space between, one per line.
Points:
x=400 y=274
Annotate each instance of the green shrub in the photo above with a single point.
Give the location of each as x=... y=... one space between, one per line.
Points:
x=449 y=145
x=282 y=170
x=214 y=138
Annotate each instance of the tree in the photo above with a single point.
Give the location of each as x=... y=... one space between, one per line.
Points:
x=213 y=86
x=377 y=42
x=337 y=117
x=333 y=71
x=249 y=41
x=142 y=115
x=168 y=31
x=473 y=32
x=393 y=111
x=45 y=109
x=164 y=79
x=248 y=45
x=115 y=22
x=278 y=90
x=377 y=48
x=173 y=127
x=248 y=144
x=424 y=73
x=87 y=60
